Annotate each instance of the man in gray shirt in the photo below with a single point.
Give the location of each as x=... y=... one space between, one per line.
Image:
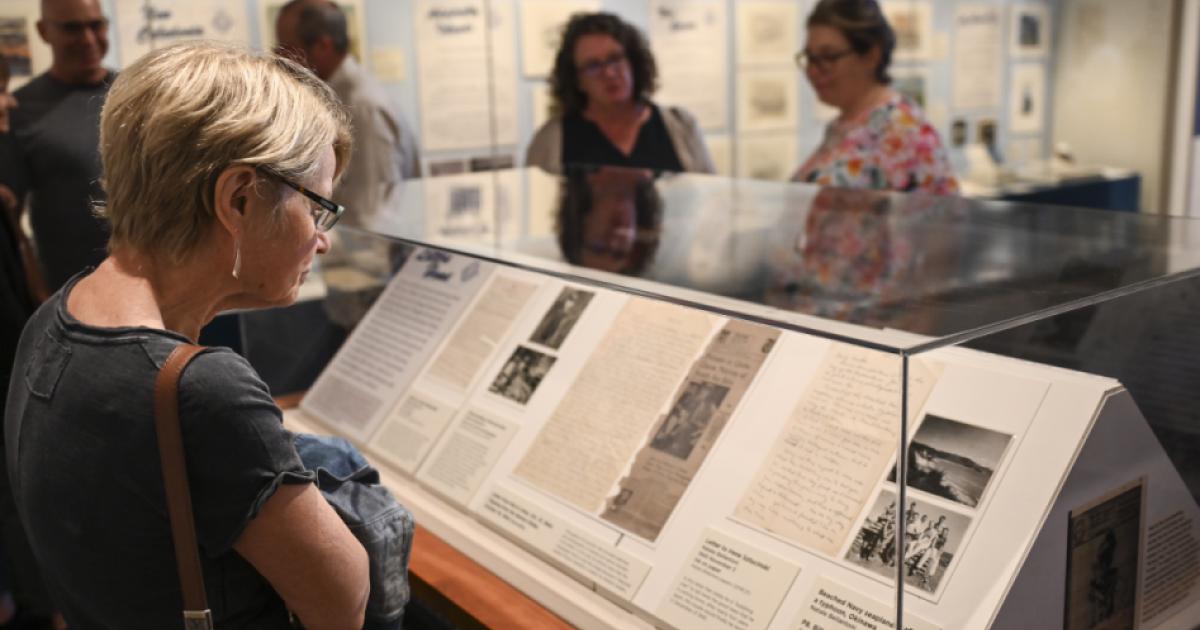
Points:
x=50 y=158
x=314 y=33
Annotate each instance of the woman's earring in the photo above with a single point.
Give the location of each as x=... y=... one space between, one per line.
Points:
x=237 y=258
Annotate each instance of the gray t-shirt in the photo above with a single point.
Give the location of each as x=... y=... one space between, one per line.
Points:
x=83 y=458
x=53 y=154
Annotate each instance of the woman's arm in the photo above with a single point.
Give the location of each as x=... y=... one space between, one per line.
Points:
x=300 y=545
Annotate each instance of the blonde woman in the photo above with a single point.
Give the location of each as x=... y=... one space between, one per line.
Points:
x=217 y=162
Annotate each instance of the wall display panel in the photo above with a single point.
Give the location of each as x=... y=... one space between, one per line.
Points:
x=146 y=26
x=690 y=47
x=770 y=157
x=27 y=55
x=978 y=56
x=914 y=83
x=1027 y=99
x=767 y=99
x=767 y=32
x=542 y=23
x=720 y=147
x=912 y=20
x=466 y=66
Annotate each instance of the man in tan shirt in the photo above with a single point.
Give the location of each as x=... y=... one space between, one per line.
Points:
x=314 y=32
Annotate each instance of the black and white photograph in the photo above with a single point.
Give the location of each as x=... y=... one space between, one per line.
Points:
x=985 y=134
x=932 y=537
x=1027 y=96
x=954 y=460
x=958 y=132
x=1030 y=30
x=558 y=321
x=1103 y=540
x=688 y=418
x=521 y=374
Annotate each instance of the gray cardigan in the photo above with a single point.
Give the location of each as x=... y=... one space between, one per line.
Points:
x=545 y=150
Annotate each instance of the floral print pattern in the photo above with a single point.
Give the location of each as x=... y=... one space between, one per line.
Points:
x=892 y=147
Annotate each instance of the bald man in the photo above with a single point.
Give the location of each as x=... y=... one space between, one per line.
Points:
x=49 y=159
x=314 y=33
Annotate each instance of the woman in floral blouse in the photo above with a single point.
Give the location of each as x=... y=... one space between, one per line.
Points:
x=881 y=139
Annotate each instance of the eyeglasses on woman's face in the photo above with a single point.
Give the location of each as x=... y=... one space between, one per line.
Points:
x=325 y=213
x=822 y=61
x=597 y=67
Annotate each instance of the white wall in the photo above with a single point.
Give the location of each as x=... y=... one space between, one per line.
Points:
x=1111 y=86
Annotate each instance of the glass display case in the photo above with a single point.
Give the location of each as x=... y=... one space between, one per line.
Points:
x=693 y=401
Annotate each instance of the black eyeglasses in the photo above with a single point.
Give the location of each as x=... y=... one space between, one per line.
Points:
x=597 y=67
x=820 y=61
x=325 y=214
x=76 y=28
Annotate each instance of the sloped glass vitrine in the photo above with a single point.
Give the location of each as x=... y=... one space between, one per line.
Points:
x=699 y=402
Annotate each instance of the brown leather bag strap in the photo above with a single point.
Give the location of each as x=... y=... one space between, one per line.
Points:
x=196 y=615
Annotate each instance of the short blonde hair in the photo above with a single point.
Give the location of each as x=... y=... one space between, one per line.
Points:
x=177 y=117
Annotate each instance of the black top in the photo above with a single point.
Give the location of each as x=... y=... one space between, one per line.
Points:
x=585 y=144
x=86 y=478
x=52 y=153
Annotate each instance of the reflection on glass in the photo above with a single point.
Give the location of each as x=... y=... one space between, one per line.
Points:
x=609 y=219
x=862 y=256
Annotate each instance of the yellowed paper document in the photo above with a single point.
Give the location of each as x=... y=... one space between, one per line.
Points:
x=834 y=448
x=593 y=434
x=682 y=439
x=481 y=330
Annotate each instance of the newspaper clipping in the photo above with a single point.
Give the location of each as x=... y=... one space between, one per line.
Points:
x=603 y=418
x=1103 y=543
x=682 y=439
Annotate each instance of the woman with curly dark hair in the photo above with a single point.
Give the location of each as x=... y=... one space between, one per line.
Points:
x=604 y=75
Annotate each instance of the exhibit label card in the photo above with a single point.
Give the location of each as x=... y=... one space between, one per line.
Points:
x=681 y=440
x=578 y=550
x=411 y=428
x=832 y=606
x=727 y=583
x=834 y=448
x=461 y=462
x=384 y=353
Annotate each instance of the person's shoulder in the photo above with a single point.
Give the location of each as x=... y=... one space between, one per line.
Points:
x=38 y=87
x=678 y=114
x=218 y=369
x=551 y=128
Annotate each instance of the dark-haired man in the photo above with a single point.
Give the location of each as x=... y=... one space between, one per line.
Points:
x=314 y=32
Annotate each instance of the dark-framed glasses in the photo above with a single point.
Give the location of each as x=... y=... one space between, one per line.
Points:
x=325 y=213
x=820 y=60
x=597 y=67
x=76 y=28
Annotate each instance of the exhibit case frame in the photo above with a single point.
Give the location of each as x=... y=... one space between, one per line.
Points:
x=675 y=400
